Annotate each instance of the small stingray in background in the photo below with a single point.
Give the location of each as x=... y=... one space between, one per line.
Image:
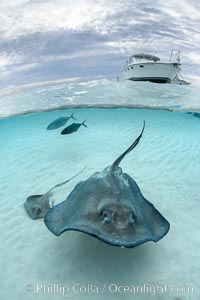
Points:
x=109 y=206
x=61 y=121
x=197 y=115
x=73 y=128
x=37 y=206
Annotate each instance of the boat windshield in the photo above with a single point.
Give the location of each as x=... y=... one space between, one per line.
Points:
x=145 y=57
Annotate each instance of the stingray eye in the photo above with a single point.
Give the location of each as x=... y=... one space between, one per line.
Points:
x=132 y=218
x=106 y=216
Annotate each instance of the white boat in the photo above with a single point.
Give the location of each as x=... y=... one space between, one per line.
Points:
x=149 y=67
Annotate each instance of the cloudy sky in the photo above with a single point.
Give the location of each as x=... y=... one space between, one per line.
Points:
x=56 y=39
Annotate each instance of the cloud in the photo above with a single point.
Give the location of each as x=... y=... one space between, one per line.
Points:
x=26 y=17
x=48 y=40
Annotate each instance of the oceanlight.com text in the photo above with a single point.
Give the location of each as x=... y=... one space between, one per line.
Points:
x=111 y=288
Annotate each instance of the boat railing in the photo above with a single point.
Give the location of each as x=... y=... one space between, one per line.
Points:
x=171 y=56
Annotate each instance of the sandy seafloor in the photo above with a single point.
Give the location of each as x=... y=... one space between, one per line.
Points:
x=166 y=166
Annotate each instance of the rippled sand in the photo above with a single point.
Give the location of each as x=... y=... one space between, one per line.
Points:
x=166 y=166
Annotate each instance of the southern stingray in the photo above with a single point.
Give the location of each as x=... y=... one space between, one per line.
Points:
x=61 y=121
x=109 y=206
x=37 y=206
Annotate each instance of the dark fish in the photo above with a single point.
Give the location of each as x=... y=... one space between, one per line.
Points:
x=61 y=121
x=37 y=206
x=73 y=128
x=109 y=206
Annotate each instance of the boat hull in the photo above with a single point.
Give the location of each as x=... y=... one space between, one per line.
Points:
x=153 y=72
x=151 y=79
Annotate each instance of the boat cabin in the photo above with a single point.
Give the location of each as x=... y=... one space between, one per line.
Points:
x=142 y=57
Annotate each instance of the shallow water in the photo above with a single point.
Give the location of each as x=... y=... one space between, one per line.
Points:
x=100 y=93
x=166 y=166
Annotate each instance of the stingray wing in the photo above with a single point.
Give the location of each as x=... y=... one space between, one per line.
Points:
x=150 y=226
x=80 y=212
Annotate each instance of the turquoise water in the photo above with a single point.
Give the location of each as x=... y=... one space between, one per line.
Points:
x=165 y=165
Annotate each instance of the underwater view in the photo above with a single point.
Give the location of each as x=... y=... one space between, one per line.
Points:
x=100 y=191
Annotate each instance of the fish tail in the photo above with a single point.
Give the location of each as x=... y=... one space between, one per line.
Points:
x=84 y=123
x=72 y=116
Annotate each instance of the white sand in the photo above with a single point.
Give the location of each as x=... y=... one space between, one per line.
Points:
x=166 y=166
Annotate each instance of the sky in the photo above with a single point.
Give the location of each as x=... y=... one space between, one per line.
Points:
x=57 y=39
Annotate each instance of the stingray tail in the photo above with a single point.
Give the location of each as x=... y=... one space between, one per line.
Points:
x=72 y=116
x=84 y=123
x=60 y=184
x=133 y=145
